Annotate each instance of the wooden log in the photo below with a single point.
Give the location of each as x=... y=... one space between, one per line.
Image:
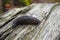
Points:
x=49 y=29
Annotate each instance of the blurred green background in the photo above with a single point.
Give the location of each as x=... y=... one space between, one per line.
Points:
x=5 y=5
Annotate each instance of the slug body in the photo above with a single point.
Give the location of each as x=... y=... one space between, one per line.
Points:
x=24 y=20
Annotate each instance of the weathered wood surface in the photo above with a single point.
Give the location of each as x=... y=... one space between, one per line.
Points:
x=49 y=29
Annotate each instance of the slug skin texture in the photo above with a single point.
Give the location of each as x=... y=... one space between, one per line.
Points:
x=25 y=20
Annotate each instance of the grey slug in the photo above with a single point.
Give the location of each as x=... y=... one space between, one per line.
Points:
x=25 y=20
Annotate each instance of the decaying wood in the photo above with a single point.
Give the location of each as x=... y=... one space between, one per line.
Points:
x=49 y=29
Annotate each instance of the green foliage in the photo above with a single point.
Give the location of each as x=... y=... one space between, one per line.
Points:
x=26 y=2
x=7 y=1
